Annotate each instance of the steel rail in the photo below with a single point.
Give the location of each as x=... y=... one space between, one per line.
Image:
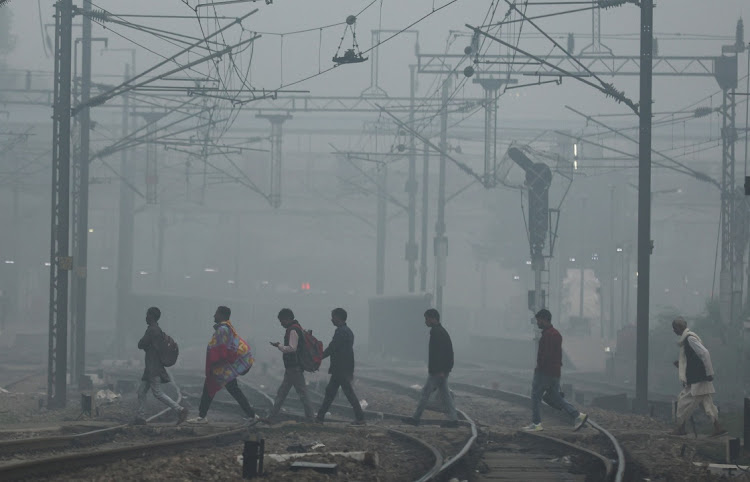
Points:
x=518 y=398
x=73 y=440
x=44 y=466
x=438 y=467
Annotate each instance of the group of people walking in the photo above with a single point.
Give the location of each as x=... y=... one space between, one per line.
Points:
x=228 y=356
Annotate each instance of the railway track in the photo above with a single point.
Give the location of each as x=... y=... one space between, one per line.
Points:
x=40 y=467
x=605 y=469
x=439 y=454
x=611 y=471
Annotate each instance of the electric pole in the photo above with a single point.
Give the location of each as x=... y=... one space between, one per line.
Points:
x=81 y=210
x=644 y=205
x=582 y=259
x=411 y=189
x=60 y=260
x=611 y=262
x=425 y=210
x=441 y=241
x=382 y=191
x=125 y=232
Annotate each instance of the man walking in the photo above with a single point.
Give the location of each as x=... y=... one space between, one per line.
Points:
x=696 y=374
x=294 y=376
x=154 y=374
x=341 y=351
x=439 y=366
x=547 y=376
x=227 y=357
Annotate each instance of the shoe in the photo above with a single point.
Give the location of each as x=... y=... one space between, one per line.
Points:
x=718 y=430
x=410 y=421
x=249 y=421
x=198 y=420
x=357 y=422
x=139 y=421
x=318 y=420
x=581 y=420
x=533 y=427
x=182 y=416
x=450 y=424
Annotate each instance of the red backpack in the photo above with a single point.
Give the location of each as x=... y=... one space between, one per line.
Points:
x=311 y=354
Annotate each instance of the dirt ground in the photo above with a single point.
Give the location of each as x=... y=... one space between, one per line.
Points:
x=652 y=453
x=396 y=460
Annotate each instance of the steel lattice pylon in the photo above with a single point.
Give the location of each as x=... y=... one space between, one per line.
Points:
x=725 y=68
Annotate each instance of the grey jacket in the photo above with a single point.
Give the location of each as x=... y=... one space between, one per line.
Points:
x=154 y=368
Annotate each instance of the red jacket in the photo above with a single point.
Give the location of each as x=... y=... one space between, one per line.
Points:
x=549 y=356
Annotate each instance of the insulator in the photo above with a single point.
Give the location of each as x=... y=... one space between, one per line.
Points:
x=99 y=14
x=702 y=111
x=611 y=3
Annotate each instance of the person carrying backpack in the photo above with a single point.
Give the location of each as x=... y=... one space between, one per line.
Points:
x=154 y=374
x=294 y=374
x=227 y=357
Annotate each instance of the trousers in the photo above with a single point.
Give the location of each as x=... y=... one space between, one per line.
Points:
x=155 y=385
x=234 y=390
x=293 y=377
x=551 y=385
x=440 y=384
x=332 y=389
x=687 y=403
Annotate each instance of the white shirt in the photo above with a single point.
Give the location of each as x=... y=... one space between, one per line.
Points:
x=292 y=346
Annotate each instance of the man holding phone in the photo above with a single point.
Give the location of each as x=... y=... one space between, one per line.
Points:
x=294 y=376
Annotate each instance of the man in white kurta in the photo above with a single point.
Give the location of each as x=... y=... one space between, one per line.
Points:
x=696 y=375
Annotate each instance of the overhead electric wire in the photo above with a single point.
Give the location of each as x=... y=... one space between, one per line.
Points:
x=313 y=29
x=304 y=79
x=537 y=17
x=123 y=86
x=697 y=174
x=128 y=39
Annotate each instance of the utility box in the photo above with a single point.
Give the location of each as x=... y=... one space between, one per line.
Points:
x=396 y=326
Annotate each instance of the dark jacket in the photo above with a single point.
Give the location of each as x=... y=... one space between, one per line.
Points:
x=341 y=351
x=695 y=371
x=154 y=368
x=549 y=356
x=440 y=359
x=291 y=360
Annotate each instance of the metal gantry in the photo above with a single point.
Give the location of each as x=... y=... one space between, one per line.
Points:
x=601 y=65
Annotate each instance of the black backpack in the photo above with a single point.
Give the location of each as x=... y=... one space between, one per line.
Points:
x=168 y=350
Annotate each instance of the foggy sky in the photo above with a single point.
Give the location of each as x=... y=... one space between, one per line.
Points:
x=301 y=51
x=476 y=217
